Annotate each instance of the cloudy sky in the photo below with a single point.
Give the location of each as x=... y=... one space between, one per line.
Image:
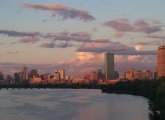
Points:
x=73 y=34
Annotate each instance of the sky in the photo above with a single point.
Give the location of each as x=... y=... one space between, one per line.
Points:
x=73 y=34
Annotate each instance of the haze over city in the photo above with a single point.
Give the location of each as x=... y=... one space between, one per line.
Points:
x=74 y=34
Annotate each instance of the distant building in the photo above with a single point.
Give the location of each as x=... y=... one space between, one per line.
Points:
x=33 y=73
x=57 y=77
x=94 y=75
x=138 y=74
x=35 y=80
x=155 y=73
x=161 y=61
x=116 y=73
x=86 y=76
x=1 y=76
x=109 y=65
x=9 y=79
x=17 y=78
x=143 y=74
x=100 y=74
x=25 y=73
x=147 y=74
x=62 y=74
x=129 y=73
x=46 y=76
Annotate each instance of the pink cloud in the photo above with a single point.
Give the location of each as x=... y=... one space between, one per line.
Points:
x=119 y=34
x=115 y=47
x=62 y=10
x=123 y=25
x=143 y=26
x=121 y=20
x=120 y=26
x=102 y=47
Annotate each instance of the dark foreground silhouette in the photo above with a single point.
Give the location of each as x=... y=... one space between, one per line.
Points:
x=153 y=90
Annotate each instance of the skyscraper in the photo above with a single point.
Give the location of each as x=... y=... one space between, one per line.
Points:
x=161 y=61
x=109 y=65
x=62 y=73
x=25 y=73
x=57 y=76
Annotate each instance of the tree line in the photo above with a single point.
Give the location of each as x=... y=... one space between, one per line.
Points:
x=153 y=90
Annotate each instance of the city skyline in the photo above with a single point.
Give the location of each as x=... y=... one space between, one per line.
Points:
x=73 y=35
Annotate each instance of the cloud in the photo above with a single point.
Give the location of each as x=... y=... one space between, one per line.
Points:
x=138 y=47
x=84 y=56
x=123 y=25
x=143 y=26
x=77 y=37
x=29 y=40
x=156 y=37
x=120 y=26
x=12 y=52
x=115 y=47
x=13 y=33
x=2 y=43
x=155 y=42
x=102 y=47
x=56 y=45
x=62 y=10
x=119 y=34
x=134 y=52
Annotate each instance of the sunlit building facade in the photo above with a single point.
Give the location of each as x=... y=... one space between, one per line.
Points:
x=129 y=73
x=62 y=74
x=57 y=77
x=161 y=61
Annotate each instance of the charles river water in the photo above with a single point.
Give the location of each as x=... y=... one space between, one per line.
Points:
x=70 y=104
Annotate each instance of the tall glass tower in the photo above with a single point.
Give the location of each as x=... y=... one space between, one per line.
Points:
x=109 y=65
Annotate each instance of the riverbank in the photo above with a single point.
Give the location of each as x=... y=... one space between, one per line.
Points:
x=154 y=90
x=51 y=86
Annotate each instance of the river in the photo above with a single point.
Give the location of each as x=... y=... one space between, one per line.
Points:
x=70 y=104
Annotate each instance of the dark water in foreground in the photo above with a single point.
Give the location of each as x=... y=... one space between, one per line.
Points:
x=70 y=104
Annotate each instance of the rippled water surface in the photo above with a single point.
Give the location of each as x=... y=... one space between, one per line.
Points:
x=70 y=104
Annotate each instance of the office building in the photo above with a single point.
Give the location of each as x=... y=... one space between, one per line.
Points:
x=57 y=76
x=109 y=65
x=62 y=74
x=94 y=75
x=161 y=61
x=129 y=73
x=25 y=73
x=17 y=78
x=33 y=73
x=1 y=76
x=46 y=76
x=145 y=74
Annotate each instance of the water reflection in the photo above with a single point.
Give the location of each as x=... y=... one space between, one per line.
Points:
x=48 y=104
